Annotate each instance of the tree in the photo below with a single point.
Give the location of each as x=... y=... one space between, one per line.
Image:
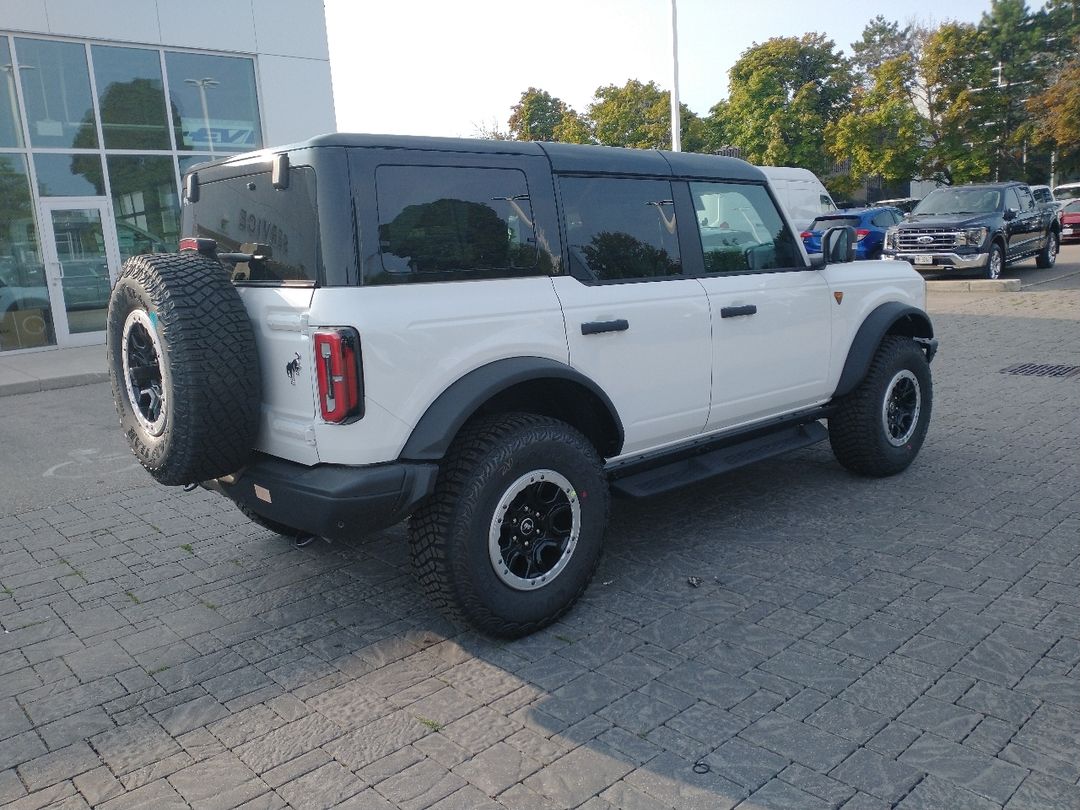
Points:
x=955 y=79
x=638 y=115
x=882 y=133
x=573 y=128
x=536 y=116
x=783 y=93
x=1057 y=109
x=882 y=41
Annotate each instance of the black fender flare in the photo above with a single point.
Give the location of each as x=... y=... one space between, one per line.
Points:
x=889 y=318
x=431 y=437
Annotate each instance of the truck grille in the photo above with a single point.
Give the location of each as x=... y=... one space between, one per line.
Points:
x=909 y=239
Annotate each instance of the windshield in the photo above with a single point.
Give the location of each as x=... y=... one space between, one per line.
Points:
x=960 y=201
x=1072 y=207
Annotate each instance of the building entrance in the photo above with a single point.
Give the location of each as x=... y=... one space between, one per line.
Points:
x=81 y=260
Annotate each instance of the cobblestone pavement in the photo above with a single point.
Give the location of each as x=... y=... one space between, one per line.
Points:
x=911 y=642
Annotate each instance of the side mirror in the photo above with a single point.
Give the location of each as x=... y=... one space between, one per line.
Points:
x=838 y=245
x=1010 y=213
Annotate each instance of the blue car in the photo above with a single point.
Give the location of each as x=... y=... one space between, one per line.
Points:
x=870 y=225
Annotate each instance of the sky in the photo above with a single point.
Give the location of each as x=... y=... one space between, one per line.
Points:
x=446 y=67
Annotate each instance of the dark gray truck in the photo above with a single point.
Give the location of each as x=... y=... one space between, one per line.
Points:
x=975 y=230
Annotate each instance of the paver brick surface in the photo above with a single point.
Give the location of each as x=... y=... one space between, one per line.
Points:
x=911 y=642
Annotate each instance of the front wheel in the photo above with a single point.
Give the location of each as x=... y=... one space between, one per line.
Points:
x=1048 y=255
x=513 y=532
x=878 y=428
x=995 y=262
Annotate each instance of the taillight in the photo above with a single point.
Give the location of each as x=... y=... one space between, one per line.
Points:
x=207 y=247
x=805 y=235
x=340 y=376
x=861 y=234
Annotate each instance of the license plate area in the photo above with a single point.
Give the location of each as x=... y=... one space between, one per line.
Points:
x=923 y=258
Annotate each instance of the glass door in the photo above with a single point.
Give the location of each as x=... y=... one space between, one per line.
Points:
x=81 y=263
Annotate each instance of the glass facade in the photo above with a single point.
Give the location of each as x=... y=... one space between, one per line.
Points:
x=93 y=140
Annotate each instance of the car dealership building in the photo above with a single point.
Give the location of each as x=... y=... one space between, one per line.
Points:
x=103 y=106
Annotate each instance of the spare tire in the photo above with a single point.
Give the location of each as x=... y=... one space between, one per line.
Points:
x=184 y=367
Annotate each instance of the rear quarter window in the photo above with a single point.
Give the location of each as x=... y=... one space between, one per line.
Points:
x=453 y=223
x=248 y=210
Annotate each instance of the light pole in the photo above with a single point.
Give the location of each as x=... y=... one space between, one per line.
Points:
x=202 y=84
x=676 y=113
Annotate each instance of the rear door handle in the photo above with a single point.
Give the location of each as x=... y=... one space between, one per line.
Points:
x=735 y=312
x=596 y=327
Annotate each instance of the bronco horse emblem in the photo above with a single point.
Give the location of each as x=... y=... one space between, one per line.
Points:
x=292 y=368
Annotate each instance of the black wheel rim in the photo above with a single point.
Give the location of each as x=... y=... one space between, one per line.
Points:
x=534 y=530
x=901 y=408
x=142 y=371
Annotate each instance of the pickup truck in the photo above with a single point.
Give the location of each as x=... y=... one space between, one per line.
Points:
x=975 y=229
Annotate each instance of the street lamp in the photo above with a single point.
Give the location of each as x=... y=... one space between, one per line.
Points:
x=202 y=84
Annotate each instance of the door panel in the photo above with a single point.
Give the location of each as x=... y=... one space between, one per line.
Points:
x=656 y=370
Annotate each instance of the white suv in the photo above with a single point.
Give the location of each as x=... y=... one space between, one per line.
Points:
x=490 y=337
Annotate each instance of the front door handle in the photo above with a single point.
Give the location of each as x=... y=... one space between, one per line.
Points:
x=735 y=312
x=596 y=327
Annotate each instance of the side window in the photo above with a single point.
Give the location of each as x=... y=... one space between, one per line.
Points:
x=826 y=204
x=741 y=230
x=442 y=223
x=882 y=219
x=620 y=228
x=1026 y=200
x=1012 y=199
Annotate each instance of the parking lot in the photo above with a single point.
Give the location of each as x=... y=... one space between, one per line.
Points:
x=790 y=636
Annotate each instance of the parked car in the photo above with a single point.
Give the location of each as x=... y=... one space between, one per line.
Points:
x=1069 y=217
x=870 y=225
x=903 y=204
x=443 y=329
x=978 y=228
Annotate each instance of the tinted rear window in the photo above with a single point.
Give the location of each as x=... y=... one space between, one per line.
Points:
x=823 y=224
x=248 y=210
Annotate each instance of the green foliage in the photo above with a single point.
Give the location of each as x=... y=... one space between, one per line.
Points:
x=882 y=41
x=882 y=132
x=954 y=64
x=783 y=93
x=638 y=116
x=536 y=116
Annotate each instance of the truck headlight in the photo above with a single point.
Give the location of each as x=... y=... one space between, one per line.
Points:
x=973 y=237
x=890 y=237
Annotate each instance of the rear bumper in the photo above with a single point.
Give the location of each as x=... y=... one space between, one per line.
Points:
x=329 y=500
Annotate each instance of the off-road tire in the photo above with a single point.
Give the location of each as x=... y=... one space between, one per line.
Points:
x=205 y=365
x=857 y=430
x=1048 y=255
x=992 y=270
x=449 y=534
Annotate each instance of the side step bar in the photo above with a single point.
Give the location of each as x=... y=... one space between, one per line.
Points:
x=715 y=462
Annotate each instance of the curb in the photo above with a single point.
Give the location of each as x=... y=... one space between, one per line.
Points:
x=980 y=285
x=30 y=385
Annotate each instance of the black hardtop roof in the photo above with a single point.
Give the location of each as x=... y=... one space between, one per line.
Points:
x=564 y=157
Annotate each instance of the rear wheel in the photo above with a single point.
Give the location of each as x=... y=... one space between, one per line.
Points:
x=879 y=427
x=513 y=532
x=1048 y=255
